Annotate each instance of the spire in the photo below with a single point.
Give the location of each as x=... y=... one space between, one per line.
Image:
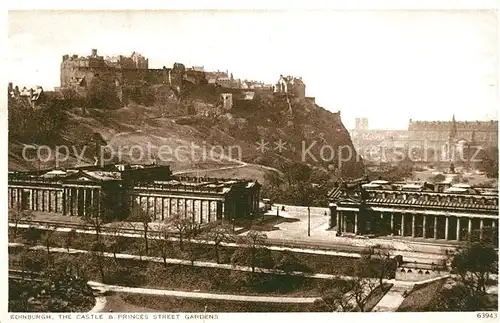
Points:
x=453 y=132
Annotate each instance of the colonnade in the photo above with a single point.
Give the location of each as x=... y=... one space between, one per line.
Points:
x=415 y=225
x=72 y=200
x=163 y=207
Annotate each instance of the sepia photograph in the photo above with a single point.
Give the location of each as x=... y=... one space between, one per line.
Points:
x=188 y=164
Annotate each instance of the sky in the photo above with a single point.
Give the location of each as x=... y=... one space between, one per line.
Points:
x=387 y=66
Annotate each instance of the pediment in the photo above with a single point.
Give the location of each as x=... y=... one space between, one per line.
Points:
x=82 y=177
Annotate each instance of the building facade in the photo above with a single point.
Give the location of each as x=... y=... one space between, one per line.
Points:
x=419 y=211
x=441 y=134
x=291 y=85
x=445 y=139
x=77 y=72
x=113 y=191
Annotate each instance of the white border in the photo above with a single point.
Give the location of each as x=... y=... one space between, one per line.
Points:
x=230 y=5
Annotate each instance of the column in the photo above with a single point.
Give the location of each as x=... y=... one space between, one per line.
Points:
x=170 y=207
x=338 y=220
x=219 y=210
x=356 y=222
x=71 y=200
x=470 y=226
x=392 y=224
x=435 y=226
x=185 y=208
x=84 y=201
x=92 y=201
x=402 y=224
x=162 y=208
x=155 y=200
x=458 y=228
x=413 y=225
x=193 y=211
x=147 y=206
x=424 y=225
x=201 y=211
x=64 y=201
x=493 y=223
x=43 y=200
x=481 y=224
x=446 y=227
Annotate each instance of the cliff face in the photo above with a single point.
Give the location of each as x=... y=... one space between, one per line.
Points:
x=283 y=128
x=268 y=130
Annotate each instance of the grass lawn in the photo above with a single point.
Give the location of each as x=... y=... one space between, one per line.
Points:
x=136 y=273
x=420 y=297
x=176 y=304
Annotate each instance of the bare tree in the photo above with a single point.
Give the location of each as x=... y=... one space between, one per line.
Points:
x=337 y=299
x=361 y=289
x=218 y=233
x=97 y=257
x=95 y=220
x=116 y=239
x=32 y=236
x=70 y=238
x=48 y=238
x=137 y=214
x=17 y=215
x=181 y=226
x=252 y=250
x=162 y=243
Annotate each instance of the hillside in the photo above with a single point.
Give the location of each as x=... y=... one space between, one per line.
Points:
x=186 y=141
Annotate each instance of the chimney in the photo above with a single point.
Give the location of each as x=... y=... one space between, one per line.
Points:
x=94 y=52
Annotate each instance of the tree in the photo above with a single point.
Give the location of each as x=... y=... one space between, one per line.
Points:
x=31 y=261
x=102 y=94
x=192 y=245
x=117 y=240
x=137 y=214
x=274 y=179
x=32 y=236
x=460 y=297
x=48 y=238
x=69 y=239
x=162 y=243
x=379 y=266
x=218 y=234
x=337 y=299
x=360 y=289
x=181 y=226
x=439 y=178
x=96 y=220
x=288 y=262
x=97 y=256
x=251 y=250
x=473 y=262
x=16 y=215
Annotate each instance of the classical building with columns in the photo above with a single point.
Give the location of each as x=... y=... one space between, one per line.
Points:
x=418 y=210
x=117 y=188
